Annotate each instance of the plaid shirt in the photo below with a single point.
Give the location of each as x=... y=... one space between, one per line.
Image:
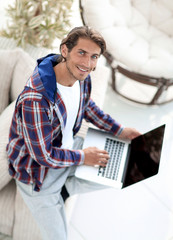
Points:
x=39 y=118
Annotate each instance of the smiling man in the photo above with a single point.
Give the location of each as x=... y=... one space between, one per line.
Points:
x=79 y=62
x=48 y=114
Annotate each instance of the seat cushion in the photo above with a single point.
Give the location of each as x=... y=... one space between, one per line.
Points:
x=7 y=62
x=7 y=199
x=16 y=66
x=23 y=69
x=18 y=69
x=25 y=226
x=5 y=120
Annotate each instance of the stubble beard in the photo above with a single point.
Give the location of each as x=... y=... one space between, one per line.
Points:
x=71 y=72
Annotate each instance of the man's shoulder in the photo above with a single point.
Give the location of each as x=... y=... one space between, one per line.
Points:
x=29 y=95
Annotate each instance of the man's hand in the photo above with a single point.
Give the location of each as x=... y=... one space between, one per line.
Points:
x=129 y=134
x=95 y=156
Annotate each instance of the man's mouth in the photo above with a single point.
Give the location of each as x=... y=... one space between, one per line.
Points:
x=82 y=69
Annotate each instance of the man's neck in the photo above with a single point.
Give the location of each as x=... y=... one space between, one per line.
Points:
x=62 y=76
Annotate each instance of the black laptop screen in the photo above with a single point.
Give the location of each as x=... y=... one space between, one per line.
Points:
x=144 y=156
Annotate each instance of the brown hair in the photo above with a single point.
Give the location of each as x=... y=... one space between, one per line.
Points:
x=83 y=32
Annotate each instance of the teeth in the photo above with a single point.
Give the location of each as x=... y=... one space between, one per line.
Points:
x=82 y=69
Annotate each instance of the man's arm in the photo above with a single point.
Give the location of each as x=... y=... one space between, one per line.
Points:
x=102 y=120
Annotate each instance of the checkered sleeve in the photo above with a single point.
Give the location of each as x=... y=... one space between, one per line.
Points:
x=103 y=121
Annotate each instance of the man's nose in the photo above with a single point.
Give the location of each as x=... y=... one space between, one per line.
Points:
x=87 y=61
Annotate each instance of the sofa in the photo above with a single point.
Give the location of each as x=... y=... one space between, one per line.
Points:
x=16 y=66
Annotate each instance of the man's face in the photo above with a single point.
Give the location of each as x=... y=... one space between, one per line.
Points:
x=82 y=59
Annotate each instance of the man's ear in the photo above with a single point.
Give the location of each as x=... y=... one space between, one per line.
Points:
x=64 y=50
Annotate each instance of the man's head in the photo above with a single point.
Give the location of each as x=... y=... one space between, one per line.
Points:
x=84 y=32
x=80 y=51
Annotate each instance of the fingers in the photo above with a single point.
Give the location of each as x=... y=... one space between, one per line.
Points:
x=102 y=163
x=102 y=151
x=103 y=158
x=95 y=156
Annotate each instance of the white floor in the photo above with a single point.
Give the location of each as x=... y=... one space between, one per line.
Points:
x=143 y=211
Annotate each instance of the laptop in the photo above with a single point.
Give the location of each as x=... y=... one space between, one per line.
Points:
x=130 y=161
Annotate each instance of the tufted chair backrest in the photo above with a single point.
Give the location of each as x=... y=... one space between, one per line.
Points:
x=138 y=33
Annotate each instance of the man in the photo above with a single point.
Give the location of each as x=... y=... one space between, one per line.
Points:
x=47 y=116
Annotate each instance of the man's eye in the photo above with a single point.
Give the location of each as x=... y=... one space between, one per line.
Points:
x=81 y=53
x=94 y=56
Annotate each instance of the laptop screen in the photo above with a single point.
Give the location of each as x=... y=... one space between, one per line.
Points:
x=144 y=157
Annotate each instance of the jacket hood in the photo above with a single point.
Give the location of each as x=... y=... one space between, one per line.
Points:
x=43 y=79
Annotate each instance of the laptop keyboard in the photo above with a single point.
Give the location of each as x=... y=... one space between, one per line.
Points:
x=115 y=150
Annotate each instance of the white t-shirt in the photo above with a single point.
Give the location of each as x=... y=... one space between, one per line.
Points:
x=71 y=99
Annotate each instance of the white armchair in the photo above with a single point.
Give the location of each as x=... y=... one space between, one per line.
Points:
x=139 y=36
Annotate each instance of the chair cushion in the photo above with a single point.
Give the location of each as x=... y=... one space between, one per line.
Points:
x=23 y=69
x=7 y=199
x=5 y=120
x=16 y=67
x=25 y=226
x=7 y=62
x=139 y=34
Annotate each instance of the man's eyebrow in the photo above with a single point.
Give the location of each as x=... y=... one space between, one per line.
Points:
x=94 y=54
x=80 y=49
